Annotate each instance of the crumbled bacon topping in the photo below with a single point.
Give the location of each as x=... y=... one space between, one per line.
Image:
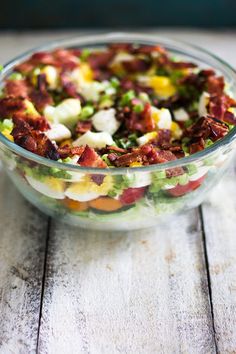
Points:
x=90 y=158
x=10 y=105
x=32 y=140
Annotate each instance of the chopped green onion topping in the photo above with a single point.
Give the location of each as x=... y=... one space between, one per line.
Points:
x=127 y=97
x=86 y=112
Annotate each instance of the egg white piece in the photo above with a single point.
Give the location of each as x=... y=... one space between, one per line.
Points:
x=200 y=173
x=121 y=56
x=162 y=117
x=141 y=180
x=94 y=140
x=58 y=132
x=168 y=186
x=91 y=90
x=81 y=197
x=65 y=113
x=75 y=176
x=181 y=115
x=105 y=121
x=52 y=187
x=144 y=139
x=52 y=76
x=202 y=104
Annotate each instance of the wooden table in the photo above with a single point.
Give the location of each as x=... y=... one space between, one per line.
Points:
x=171 y=289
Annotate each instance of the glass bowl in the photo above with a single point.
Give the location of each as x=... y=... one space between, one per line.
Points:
x=149 y=194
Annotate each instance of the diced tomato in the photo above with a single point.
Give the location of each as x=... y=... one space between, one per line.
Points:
x=131 y=195
x=180 y=190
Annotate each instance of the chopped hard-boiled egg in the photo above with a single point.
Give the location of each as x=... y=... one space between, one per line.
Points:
x=94 y=140
x=203 y=103
x=74 y=176
x=162 y=85
x=176 y=130
x=7 y=134
x=88 y=190
x=91 y=90
x=144 y=139
x=58 y=132
x=50 y=186
x=6 y=127
x=52 y=76
x=105 y=121
x=141 y=179
x=162 y=117
x=202 y=171
x=181 y=115
x=81 y=75
x=135 y=164
x=116 y=64
x=30 y=109
x=65 y=113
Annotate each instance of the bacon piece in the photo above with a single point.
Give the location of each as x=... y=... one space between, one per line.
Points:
x=149 y=123
x=229 y=117
x=117 y=47
x=25 y=68
x=136 y=65
x=10 y=105
x=205 y=128
x=128 y=84
x=142 y=122
x=148 y=49
x=163 y=138
x=69 y=151
x=218 y=105
x=45 y=58
x=37 y=123
x=33 y=140
x=115 y=148
x=146 y=154
x=100 y=60
x=40 y=99
x=66 y=59
x=62 y=58
x=101 y=75
x=17 y=88
x=90 y=158
x=197 y=146
x=208 y=127
x=178 y=65
x=215 y=84
x=68 y=86
x=83 y=126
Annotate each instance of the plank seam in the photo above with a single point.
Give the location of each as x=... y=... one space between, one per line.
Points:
x=208 y=274
x=43 y=282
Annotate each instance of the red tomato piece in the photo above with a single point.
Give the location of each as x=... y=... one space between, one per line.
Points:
x=180 y=190
x=131 y=195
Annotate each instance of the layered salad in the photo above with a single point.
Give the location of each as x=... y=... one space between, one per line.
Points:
x=121 y=106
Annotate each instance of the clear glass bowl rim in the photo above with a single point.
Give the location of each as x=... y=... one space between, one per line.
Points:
x=91 y=40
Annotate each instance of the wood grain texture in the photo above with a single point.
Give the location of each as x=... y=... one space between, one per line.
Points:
x=139 y=292
x=220 y=233
x=22 y=247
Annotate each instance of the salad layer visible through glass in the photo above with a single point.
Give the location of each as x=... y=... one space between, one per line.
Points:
x=118 y=107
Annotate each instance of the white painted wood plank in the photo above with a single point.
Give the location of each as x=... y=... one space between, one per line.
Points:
x=219 y=215
x=140 y=292
x=22 y=244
